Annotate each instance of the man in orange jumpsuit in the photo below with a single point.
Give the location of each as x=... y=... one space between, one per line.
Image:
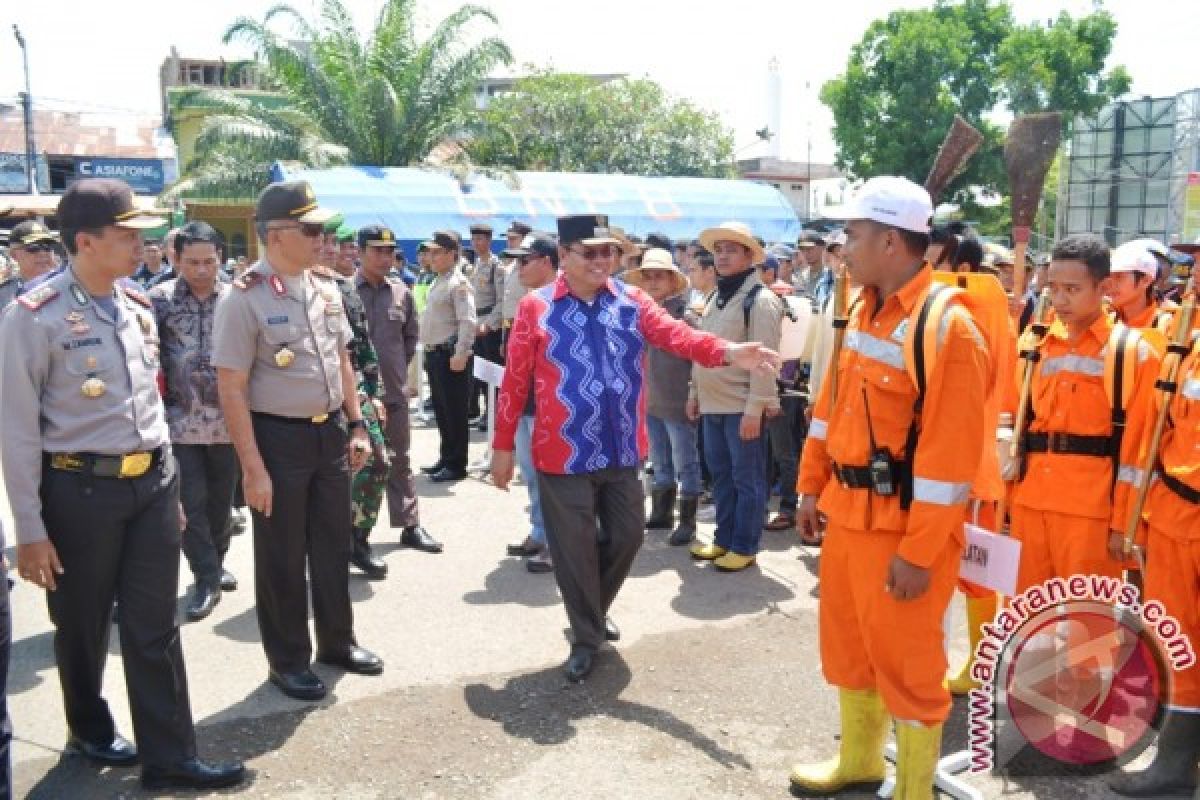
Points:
x=1131 y=292
x=890 y=562
x=1071 y=504
x=1173 y=578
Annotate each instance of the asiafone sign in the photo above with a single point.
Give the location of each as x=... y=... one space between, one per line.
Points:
x=144 y=175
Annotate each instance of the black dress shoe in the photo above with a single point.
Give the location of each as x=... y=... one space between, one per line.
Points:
x=228 y=581
x=579 y=664
x=445 y=475
x=193 y=774
x=203 y=600
x=432 y=468
x=302 y=685
x=418 y=538
x=120 y=752
x=611 y=632
x=354 y=659
x=524 y=549
x=540 y=564
x=361 y=556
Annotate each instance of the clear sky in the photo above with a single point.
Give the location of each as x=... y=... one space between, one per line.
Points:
x=107 y=55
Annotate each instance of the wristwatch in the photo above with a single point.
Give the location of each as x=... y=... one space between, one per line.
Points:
x=357 y=423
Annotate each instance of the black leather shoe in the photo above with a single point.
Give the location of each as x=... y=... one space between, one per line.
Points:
x=202 y=602
x=228 y=581
x=354 y=659
x=611 y=632
x=193 y=774
x=579 y=664
x=361 y=556
x=482 y=425
x=418 y=538
x=445 y=475
x=540 y=564
x=432 y=468
x=524 y=549
x=120 y=752
x=302 y=685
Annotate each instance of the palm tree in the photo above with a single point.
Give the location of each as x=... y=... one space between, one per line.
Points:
x=385 y=101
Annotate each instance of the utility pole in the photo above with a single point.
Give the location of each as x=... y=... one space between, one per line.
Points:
x=27 y=103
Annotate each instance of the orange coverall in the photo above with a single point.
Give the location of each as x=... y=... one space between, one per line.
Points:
x=870 y=640
x=1173 y=545
x=1067 y=504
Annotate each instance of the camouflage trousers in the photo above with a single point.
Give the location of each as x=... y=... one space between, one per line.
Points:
x=370 y=482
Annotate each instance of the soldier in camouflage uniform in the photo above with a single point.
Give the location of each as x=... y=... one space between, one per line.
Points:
x=369 y=483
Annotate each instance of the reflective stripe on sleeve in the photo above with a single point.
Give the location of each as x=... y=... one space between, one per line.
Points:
x=817 y=429
x=1191 y=389
x=1130 y=474
x=941 y=493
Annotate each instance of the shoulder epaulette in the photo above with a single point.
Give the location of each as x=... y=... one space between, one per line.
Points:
x=248 y=280
x=37 y=297
x=137 y=297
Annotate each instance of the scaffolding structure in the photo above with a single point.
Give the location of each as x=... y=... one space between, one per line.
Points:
x=1127 y=169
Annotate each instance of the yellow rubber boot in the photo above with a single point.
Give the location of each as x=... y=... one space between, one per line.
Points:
x=918 y=748
x=980 y=611
x=860 y=757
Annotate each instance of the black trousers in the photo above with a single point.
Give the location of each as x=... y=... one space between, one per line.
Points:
x=595 y=524
x=489 y=346
x=309 y=527
x=208 y=475
x=119 y=539
x=450 y=392
x=5 y=721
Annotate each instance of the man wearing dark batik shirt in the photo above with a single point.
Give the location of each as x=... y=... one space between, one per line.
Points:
x=208 y=468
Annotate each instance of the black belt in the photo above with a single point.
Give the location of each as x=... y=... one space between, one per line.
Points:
x=130 y=465
x=447 y=347
x=1068 y=444
x=485 y=310
x=318 y=419
x=1180 y=488
x=853 y=477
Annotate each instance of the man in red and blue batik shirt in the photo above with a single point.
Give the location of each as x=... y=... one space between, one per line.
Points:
x=580 y=346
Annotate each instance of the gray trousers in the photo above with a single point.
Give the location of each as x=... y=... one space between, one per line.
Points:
x=401 y=493
x=594 y=525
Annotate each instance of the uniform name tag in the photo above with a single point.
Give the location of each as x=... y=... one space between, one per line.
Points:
x=277 y=320
x=75 y=344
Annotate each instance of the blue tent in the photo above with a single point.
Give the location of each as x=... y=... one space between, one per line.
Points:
x=416 y=202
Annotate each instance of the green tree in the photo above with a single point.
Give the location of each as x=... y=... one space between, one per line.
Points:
x=914 y=70
x=383 y=100
x=569 y=123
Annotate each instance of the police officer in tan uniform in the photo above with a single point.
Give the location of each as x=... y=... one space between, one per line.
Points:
x=95 y=491
x=488 y=276
x=287 y=388
x=514 y=290
x=447 y=333
x=31 y=245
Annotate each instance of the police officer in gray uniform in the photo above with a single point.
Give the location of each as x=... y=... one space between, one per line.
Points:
x=95 y=491
x=287 y=389
x=447 y=330
x=487 y=281
x=31 y=245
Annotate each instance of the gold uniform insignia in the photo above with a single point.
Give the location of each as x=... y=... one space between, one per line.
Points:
x=93 y=387
x=284 y=357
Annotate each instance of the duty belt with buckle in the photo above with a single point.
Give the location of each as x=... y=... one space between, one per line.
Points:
x=132 y=465
x=852 y=477
x=1068 y=444
x=316 y=419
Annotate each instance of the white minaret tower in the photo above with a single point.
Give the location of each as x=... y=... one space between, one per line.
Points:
x=774 y=107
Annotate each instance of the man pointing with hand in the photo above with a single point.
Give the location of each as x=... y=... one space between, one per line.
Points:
x=582 y=341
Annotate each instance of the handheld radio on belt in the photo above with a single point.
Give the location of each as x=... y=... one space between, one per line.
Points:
x=1168 y=385
x=882 y=466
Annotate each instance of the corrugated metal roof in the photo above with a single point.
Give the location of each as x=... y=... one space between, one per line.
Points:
x=64 y=133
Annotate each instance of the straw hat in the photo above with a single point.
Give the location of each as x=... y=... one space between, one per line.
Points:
x=737 y=232
x=657 y=259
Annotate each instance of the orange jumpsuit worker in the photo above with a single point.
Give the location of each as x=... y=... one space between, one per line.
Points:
x=988 y=304
x=1173 y=578
x=887 y=574
x=1131 y=293
x=1069 y=510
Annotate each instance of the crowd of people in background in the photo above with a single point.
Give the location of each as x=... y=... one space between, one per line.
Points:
x=286 y=389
